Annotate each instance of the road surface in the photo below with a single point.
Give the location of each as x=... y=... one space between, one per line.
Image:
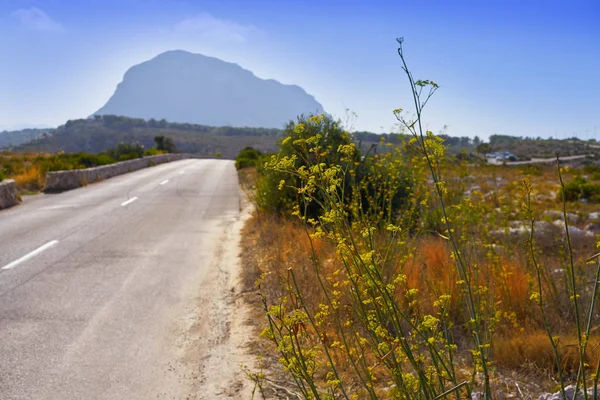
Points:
x=123 y=289
x=549 y=160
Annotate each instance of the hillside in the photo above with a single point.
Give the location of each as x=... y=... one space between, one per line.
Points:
x=192 y=88
x=98 y=134
x=16 y=138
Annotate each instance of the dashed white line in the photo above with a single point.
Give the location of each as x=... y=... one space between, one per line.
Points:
x=182 y=171
x=131 y=200
x=31 y=255
x=164 y=182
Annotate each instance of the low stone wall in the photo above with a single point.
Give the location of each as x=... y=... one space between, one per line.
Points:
x=66 y=180
x=8 y=194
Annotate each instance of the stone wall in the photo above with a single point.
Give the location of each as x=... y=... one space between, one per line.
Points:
x=66 y=180
x=8 y=194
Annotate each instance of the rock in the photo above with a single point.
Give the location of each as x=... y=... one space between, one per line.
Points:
x=8 y=194
x=542 y=226
x=519 y=228
x=593 y=227
x=575 y=232
x=543 y=197
x=594 y=216
x=517 y=224
x=569 y=393
x=512 y=232
x=573 y=218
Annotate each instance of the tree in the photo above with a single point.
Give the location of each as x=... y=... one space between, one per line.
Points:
x=484 y=148
x=165 y=144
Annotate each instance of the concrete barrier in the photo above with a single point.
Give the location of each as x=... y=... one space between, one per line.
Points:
x=66 y=180
x=8 y=194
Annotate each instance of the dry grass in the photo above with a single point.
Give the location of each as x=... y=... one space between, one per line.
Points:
x=30 y=180
x=503 y=273
x=532 y=350
x=275 y=244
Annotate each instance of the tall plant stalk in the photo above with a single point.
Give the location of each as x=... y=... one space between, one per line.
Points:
x=415 y=127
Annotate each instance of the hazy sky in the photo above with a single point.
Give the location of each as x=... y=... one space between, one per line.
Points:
x=519 y=67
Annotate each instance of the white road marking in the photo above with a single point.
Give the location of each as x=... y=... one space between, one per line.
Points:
x=164 y=182
x=182 y=171
x=131 y=200
x=31 y=255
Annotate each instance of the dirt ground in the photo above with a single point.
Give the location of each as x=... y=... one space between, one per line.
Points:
x=215 y=338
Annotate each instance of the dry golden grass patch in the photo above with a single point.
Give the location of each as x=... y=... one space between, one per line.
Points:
x=502 y=276
x=532 y=350
x=30 y=180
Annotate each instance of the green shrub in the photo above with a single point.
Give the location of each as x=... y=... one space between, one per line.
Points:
x=165 y=144
x=374 y=185
x=126 y=151
x=591 y=169
x=153 y=151
x=248 y=157
x=270 y=196
x=1 y=175
x=309 y=141
x=580 y=189
x=66 y=162
x=531 y=169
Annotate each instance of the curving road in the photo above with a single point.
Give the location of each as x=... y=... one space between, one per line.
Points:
x=96 y=283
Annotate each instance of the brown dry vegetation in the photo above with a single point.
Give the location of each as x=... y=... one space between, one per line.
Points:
x=521 y=353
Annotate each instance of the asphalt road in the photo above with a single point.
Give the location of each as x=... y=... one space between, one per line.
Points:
x=95 y=282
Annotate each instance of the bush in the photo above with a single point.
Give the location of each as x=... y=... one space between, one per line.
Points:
x=165 y=144
x=593 y=171
x=580 y=189
x=1 y=175
x=126 y=151
x=270 y=196
x=376 y=186
x=153 y=151
x=309 y=141
x=531 y=169
x=248 y=157
x=66 y=162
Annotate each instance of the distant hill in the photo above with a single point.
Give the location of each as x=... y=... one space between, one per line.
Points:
x=96 y=135
x=16 y=138
x=192 y=88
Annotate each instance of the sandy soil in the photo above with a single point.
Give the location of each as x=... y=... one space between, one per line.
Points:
x=214 y=337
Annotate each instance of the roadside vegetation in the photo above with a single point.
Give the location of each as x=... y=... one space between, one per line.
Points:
x=29 y=169
x=415 y=273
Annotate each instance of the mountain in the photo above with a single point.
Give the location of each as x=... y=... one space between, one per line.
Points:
x=192 y=88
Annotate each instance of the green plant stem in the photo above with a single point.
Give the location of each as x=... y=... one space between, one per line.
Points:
x=540 y=301
x=574 y=294
x=461 y=267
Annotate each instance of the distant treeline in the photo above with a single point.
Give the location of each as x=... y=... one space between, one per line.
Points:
x=127 y=124
x=99 y=133
x=16 y=138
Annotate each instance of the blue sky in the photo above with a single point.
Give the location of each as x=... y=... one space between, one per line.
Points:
x=523 y=67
